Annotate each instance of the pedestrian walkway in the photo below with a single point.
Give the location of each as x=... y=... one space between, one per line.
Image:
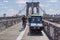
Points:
x=15 y=33
x=10 y=33
x=31 y=36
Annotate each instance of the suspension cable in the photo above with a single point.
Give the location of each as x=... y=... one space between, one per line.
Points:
x=42 y=10
x=20 y=11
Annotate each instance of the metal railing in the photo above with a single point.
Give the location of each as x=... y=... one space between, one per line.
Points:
x=52 y=30
x=5 y=23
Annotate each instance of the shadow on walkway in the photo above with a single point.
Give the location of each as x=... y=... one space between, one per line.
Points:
x=35 y=34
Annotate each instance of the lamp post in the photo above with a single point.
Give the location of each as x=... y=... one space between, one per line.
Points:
x=4 y=15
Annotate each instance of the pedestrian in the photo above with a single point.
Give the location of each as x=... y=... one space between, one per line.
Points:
x=24 y=21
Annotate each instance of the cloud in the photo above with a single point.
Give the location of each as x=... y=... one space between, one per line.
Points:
x=53 y=1
x=1 y=4
x=11 y=12
x=52 y=11
x=5 y=1
x=44 y=5
x=21 y=1
x=41 y=5
x=5 y=7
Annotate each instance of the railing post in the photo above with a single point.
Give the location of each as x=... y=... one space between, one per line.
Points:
x=56 y=33
x=45 y=26
x=51 y=31
x=48 y=28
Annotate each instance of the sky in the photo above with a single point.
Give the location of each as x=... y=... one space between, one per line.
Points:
x=12 y=7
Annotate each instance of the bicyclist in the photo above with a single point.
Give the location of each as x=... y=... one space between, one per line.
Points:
x=24 y=21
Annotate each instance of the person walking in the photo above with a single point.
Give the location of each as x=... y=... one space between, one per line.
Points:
x=24 y=21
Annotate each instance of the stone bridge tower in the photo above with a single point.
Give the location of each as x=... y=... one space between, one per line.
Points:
x=32 y=5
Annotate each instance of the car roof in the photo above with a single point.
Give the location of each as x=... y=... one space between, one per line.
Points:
x=35 y=15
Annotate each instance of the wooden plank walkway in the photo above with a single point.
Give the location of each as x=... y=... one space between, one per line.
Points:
x=31 y=36
x=13 y=33
x=10 y=33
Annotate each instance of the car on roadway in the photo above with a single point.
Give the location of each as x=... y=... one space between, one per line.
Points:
x=35 y=23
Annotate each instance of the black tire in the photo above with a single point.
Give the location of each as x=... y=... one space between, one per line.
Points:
x=31 y=30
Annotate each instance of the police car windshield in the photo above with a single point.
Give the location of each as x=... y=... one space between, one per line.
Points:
x=36 y=19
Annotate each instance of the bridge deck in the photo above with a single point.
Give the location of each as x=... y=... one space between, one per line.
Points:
x=32 y=36
x=10 y=33
x=13 y=33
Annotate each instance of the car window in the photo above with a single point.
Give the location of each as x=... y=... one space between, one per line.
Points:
x=36 y=19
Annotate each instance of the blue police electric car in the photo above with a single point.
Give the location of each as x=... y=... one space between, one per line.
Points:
x=35 y=23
